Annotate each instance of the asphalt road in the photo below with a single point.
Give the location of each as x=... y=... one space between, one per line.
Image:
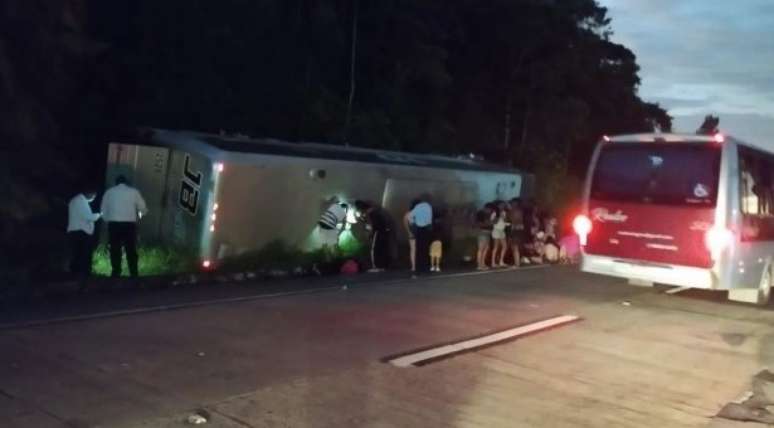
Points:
x=636 y=358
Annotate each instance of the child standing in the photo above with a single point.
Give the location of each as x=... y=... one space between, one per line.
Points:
x=436 y=245
x=436 y=253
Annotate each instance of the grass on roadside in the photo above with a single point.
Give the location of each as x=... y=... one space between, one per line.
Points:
x=152 y=260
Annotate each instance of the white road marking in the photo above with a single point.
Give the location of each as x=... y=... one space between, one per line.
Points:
x=676 y=290
x=417 y=357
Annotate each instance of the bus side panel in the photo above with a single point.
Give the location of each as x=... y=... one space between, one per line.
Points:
x=274 y=198
x=146 y=168
x=728 y=216
x=753 y=216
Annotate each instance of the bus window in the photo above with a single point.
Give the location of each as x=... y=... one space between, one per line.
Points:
x=756 y=174
x=756 y=192
x=671 y=174
x=749 y=202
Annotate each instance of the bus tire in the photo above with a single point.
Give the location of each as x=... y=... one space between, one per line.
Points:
x=640 y=282
x=759 y=296
x=764 y=290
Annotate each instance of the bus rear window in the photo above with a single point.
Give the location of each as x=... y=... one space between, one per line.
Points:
x=657 y=173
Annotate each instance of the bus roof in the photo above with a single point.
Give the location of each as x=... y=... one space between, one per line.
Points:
x=668 y=137
x=684 y=138
x=216 y=146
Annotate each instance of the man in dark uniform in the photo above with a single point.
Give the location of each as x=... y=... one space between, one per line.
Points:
x=380 y=235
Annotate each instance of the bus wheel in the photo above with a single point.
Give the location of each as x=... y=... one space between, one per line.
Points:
x=639 y=282
x=764 y=291
x=759 y=296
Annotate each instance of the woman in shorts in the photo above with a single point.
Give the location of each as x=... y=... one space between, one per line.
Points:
x=484 y=228
x=411 y=236
x=498 y=237
x=517 y=232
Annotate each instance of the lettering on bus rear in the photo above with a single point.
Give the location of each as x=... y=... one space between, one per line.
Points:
x=604 y=215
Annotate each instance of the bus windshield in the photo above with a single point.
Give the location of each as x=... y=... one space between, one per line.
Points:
x=657 y=173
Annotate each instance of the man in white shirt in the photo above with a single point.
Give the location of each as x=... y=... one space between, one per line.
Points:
x=421 y=217
x=122 y=205
x=80 y=232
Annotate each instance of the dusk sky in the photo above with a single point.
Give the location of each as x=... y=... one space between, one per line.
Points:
x=700 y=57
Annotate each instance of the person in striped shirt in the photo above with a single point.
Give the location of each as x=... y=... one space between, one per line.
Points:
x=330 y=225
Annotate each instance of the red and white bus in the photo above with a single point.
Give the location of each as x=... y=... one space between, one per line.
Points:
x=685 y=210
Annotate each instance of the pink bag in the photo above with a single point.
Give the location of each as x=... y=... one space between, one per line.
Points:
x=349 y=267
x=571 y=246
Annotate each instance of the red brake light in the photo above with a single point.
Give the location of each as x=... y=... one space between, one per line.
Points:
x=582 y=226
x=719 y=138
x=206 y=264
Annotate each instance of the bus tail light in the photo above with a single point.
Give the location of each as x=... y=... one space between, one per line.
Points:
x=717 y=239
x=582 y=226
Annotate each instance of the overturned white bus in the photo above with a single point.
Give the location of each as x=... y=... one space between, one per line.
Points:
x=223 y=196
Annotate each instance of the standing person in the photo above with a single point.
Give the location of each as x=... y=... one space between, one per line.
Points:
x=531 y=225
x=539 y=248
x=380 y=244
x=80 y=232
x=498 y=237
x=331 y=223
x=484 y=226
x=535 y=237
x=412 y=240
x=552 y=248
x=517 y=239
x=436 y=245
x=421 y=218
x=549 y=227
x=122 y=205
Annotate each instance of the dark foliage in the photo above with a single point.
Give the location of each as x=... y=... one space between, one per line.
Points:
x=531 y=83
